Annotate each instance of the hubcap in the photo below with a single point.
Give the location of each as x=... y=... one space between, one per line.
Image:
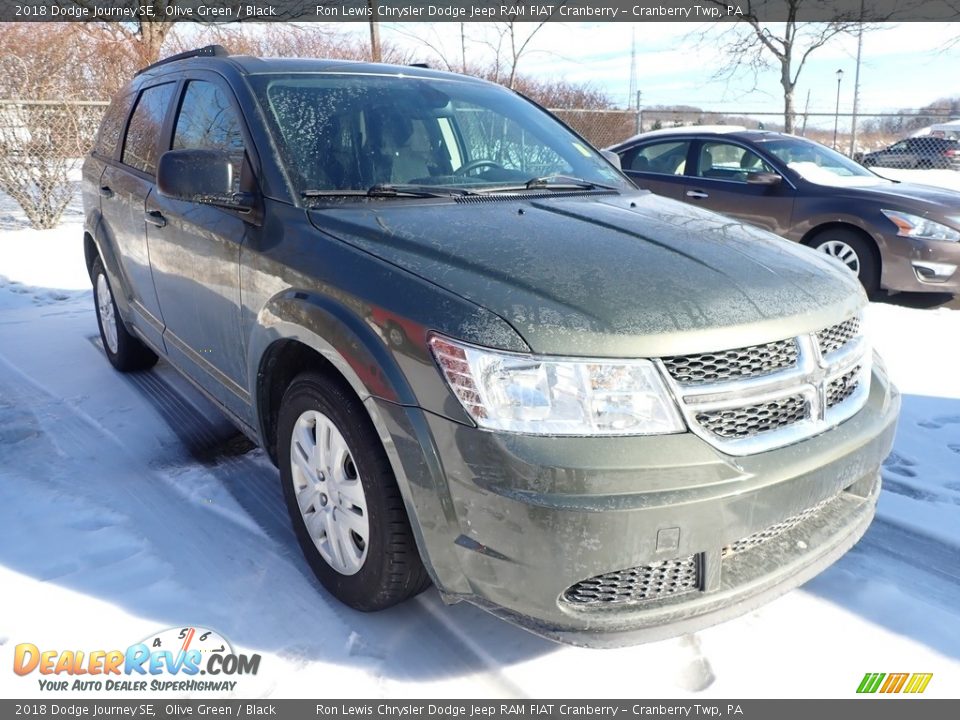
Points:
x=105 y=309
x=329 y=492
x=842 y=252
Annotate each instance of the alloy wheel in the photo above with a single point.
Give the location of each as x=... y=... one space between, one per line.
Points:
x=842 y=252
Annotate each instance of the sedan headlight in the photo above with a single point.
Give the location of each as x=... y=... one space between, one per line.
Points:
x=540 y=395
x=915 y=226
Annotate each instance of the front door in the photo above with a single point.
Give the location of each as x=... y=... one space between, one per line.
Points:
x=718 y=182
x=195 y=255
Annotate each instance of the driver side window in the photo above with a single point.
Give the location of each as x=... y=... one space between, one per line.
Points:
x=726 y=161
x=207 y=121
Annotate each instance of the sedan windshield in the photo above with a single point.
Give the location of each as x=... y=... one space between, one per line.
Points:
x=819 y=164
x=345 y=134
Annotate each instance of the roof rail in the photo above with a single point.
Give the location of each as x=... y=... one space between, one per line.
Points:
x=208 y=51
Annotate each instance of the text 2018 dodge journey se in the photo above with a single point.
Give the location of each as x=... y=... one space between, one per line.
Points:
x=478 y=354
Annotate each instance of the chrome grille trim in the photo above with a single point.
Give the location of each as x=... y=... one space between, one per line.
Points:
x=657 y=580
x=827 y=384
x=776 y=530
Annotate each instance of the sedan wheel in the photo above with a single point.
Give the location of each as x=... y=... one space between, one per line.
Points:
x=856 y=252
x=842 y=252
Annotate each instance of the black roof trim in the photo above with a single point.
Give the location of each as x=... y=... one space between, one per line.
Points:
x=208 y=51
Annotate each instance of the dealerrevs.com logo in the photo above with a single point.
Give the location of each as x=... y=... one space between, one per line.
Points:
x=170 y=660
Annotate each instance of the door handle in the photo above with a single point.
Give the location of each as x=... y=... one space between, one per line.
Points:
x=156 y=218
x=106 y=191
x=697 y=194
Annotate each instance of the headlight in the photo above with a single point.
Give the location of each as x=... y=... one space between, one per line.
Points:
x=540 y=395
x=917 y=227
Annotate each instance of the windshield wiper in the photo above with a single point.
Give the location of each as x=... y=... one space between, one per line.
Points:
x=563 y=182
x=552 y=182
x=392 y=190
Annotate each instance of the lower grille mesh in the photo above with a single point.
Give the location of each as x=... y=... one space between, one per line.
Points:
x=647 y=582
x=760 y=537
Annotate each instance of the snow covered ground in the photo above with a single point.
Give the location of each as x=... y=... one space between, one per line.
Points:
x=128 y=505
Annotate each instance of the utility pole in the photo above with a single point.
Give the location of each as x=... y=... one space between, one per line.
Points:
x=856 y=87
x=836 y=117
x=374 y=31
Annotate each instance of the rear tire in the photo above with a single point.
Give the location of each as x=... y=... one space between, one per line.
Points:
x=343 y=498
x=854 y=251
x=124 y=351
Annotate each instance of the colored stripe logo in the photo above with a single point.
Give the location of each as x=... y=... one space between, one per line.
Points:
x=894 y=682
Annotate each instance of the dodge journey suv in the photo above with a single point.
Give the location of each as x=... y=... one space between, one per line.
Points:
x=479 y=355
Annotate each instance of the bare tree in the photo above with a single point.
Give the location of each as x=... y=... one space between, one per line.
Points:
x=754 y=45
x=44 y=126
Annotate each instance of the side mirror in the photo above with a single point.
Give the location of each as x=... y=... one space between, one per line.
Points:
x=763 y=178
x=201 y=176
x=612 y=157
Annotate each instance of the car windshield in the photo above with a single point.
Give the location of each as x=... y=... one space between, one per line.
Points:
x=819 y=164
x=350 y=134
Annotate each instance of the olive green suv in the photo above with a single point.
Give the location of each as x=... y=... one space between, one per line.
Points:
x=479 y=355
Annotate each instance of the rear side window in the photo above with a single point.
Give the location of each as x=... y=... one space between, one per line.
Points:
x=207 y=121
x=111 y=127
x=668 y=158
x=140 y=147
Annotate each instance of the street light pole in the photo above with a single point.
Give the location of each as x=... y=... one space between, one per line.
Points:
x=836 y=119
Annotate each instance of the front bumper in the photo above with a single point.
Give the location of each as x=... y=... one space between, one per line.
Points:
x=511 y=522
x=913 y=265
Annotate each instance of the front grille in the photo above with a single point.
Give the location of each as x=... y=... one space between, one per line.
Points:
x=843 y=387
x=836 y=336
x=744 y=422
x=732 y=364
x=775 y=530
x=647 y=582
x=766 y=396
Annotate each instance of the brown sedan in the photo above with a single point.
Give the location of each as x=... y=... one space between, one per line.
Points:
x=896 y=236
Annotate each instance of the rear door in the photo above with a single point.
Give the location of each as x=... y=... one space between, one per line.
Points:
x=123 y=192
x=658 y=166
x=718 y=182
x=195 y=251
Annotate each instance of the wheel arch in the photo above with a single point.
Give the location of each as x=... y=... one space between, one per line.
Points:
x=297 y=331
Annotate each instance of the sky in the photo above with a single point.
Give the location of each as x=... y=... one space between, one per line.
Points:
x=904 y=65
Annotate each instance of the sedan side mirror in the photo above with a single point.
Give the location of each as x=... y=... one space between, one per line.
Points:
x=763 y=178
x=201 y=176
x=612 y=157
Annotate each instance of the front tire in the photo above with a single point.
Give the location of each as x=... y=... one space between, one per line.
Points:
x=124 y=351
x=854 y=251
x=343 y=498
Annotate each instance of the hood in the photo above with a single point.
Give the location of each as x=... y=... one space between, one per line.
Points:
x=607 y=275
x=919 y=199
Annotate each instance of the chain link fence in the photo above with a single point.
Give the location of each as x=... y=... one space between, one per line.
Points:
x=601 y=127
x=41 y=143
